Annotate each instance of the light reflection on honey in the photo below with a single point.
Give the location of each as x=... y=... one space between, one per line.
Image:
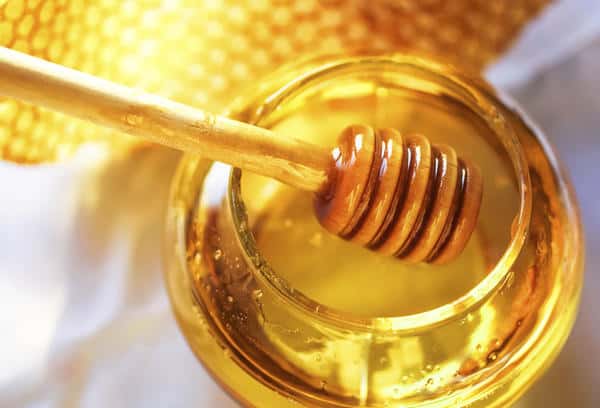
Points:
x=205 y=53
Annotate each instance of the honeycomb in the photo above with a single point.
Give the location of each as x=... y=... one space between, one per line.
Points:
x=204 y=53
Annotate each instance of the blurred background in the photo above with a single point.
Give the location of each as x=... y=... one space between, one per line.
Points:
x=85 y=318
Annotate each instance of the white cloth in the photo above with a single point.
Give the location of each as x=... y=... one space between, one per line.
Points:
x=563 y=29
x=85 y=318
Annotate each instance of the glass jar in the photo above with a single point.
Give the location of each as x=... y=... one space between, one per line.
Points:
x=282 y=313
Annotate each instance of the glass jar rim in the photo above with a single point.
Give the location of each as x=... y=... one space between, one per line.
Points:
x=484 y=101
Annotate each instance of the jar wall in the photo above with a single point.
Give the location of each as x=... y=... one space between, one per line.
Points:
x=258 y=329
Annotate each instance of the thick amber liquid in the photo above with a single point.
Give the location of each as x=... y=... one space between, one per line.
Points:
x=282 y=312
x=354 y=280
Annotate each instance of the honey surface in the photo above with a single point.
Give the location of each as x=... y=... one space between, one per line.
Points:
x=343 y=275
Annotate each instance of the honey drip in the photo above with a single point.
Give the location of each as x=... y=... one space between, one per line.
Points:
x=401 y=196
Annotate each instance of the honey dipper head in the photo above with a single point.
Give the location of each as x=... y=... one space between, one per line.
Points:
x=400 y=195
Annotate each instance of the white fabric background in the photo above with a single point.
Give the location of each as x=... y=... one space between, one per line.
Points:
x=85 y=318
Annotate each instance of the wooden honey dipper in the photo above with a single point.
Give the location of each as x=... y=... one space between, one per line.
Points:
x=397 y=195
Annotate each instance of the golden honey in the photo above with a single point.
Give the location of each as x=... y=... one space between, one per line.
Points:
x=283 y=313
x=280 y=312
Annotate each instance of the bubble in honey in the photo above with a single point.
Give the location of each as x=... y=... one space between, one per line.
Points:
x=317 y=239
x=217 y=254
